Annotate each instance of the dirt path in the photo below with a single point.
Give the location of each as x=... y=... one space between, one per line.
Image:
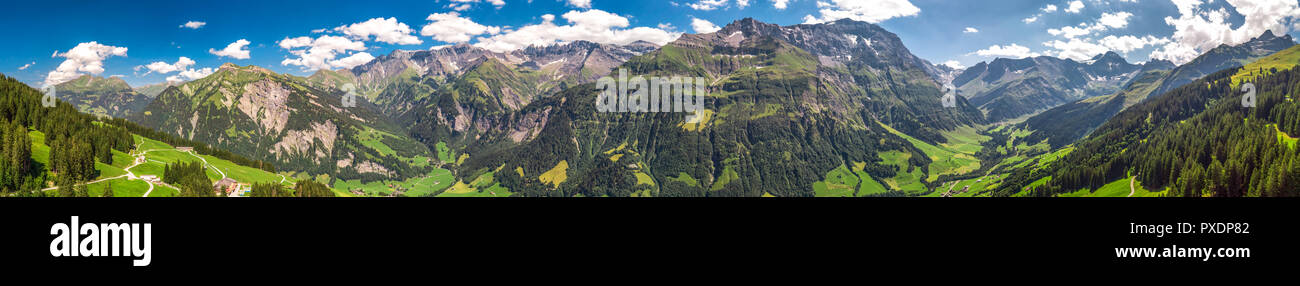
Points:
x=205 y=163
x=1132 y=189
x=128 y=175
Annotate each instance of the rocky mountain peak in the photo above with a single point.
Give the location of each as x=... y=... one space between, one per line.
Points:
x=751 y=28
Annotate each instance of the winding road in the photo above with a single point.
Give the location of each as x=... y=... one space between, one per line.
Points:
x=137 y=159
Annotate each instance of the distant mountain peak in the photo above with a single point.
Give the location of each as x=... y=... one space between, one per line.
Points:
x=750 y=27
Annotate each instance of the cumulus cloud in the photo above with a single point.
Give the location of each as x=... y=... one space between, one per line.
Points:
x=1076 y=49
x=85 y=57
x=1198 y=29
x=1051 y=8
x=871 y=11
x=1106 y=21
x=461 y=5
x=580 y=3
x=781 y=4
x=450 y=27
x=708 y=5
x=1030 y=19
x=970 y=30
x=353 y=60
x=1074 y=7
x=1128 y=43
x=320 y=53
x=1116 y=20
x=1008 y=51
x=24 y=67
x=384 y=30
x=194 y=25
x=954 y=64
x=164 y=67
x=590 y=25
x=190 y=74
x=702 y=26
x=236 y=50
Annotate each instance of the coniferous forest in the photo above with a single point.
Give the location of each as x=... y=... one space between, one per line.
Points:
x=1197 y=140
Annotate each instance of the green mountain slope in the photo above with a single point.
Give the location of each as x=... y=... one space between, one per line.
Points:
x=285 y=120
x=1196 y=140
x=779 y=118
x=102 y=96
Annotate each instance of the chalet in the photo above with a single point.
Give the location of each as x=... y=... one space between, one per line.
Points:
x=231 y=188
x=185 y=149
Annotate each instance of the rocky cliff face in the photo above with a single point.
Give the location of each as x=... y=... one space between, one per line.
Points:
x=397 y=81
x=283 y=119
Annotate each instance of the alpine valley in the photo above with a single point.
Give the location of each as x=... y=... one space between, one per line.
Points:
x=836 y=109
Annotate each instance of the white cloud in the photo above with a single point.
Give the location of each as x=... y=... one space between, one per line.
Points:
x=497 y=3
x=450 y=27
x=194 y=25
x=708 y=5
x=236 y=50
x=1030 y=19
x=320 y=53
x=871 y=11
x=702 y=26
x=970 y=30
x=954 y=64
x=164 y=67
x=1009 y=51
x=1127 y=43
x=1076 y=49
x=1116 y=20
x=1106 y=21
x=1071 y=32
x=580 y=3
x=742 y=3
x=385 y=30
x=781 y=4
x=24 y=67
x=591 y=25
x=1075 y=7
x=1199 y=29
x=353 y=60
x=1051 y=8
x=85 y=57
x=182 y=65
x=191 y=74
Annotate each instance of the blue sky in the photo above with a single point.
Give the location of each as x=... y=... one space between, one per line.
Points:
x=299 y=36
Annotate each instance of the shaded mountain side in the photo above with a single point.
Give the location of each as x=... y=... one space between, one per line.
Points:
x=1006 y=89
x=398 y=81
x=778 y=117
x=1195 y=140
x=283 y=119
x=102 y=96
x=1083 y=116
x=1224 y=57
x=1067 y=123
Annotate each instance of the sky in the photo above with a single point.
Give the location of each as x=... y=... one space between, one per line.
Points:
x=147 y=42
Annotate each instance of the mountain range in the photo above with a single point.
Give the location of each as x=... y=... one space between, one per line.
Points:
x=834 y=109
